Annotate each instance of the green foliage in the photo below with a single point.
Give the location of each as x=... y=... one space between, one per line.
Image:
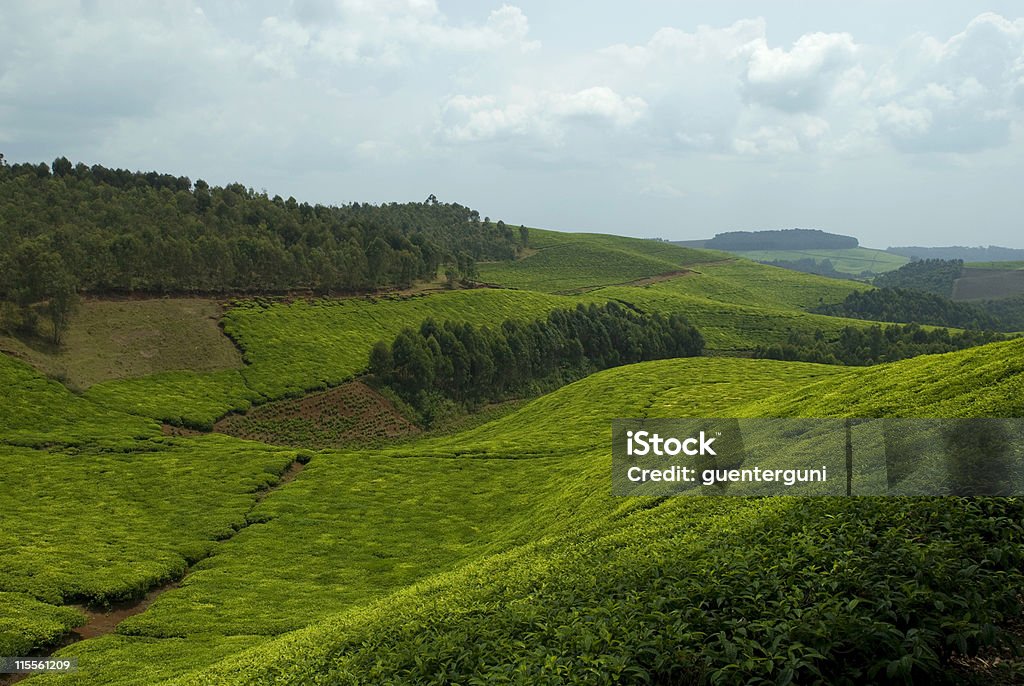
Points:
x=102 y=527
x=188 y=399
x=27 y=624
x=901 y=305
x=37 y=412
x=497 y=554
x=987 y=381
x=860 y=347
x=930 y=276
x=569 y=262
x=533 y=572
x=310 y=345
x=116 y=230
x=470 y=365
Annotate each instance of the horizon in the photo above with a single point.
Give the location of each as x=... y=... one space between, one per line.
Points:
x=656 y=121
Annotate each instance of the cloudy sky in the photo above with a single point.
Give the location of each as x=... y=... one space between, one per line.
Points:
x=897 y=122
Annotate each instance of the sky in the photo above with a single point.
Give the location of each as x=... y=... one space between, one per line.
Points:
x=901 y=123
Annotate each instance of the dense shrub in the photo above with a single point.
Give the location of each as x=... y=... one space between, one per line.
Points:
x=459 y=362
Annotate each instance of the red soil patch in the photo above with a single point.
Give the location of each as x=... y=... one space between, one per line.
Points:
x=351 y=414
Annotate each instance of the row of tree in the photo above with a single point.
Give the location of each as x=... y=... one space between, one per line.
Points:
x=116 y=230
x=458 y=365
x=874 y=345
x=901 y=305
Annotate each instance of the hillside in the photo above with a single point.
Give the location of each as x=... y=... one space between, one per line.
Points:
x=366 y=598
x=301 y=344
x=308 y=563
x=988 y=283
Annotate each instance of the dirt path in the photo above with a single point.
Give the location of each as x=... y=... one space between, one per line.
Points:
x=101 y=622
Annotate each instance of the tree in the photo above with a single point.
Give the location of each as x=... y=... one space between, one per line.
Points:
x=62 y=167
x=380 y=361
x=63 y=301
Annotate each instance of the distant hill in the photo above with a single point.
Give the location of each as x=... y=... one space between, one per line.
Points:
x=780 y=239
x=811 y=251
x=991 y=253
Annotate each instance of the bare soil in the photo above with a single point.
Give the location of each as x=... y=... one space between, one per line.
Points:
x=350 y=414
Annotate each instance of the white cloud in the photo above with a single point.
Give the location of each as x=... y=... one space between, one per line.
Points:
x=328 y=93
x=545 y=115
x=957 y=96
x=799 y=79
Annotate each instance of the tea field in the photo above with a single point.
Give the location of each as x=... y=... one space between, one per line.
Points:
x=378 y=563
x=495 y=552
x=571 y=262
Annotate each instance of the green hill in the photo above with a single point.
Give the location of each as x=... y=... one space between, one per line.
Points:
x=496 y=554
x=558 y=262
x=391 y=560
x=290 y=348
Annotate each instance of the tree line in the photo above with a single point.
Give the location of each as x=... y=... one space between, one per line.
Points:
x=903 y=305
x=67 y=228
x=930 y=276
x=861 y=347
x=450 y=366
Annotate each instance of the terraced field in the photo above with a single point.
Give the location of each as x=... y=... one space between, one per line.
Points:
x=497 y=554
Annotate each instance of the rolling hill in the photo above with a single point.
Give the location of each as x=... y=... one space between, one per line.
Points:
x=496 y=554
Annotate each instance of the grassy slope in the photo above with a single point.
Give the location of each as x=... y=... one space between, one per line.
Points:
x=292 y=348
x=304 y=346
x=37 y=412
x=119 y=339
x=567 y=262
x=400 y=547
x=452 y=541
x=848 y=260
x=988 y=284
x=96 y=505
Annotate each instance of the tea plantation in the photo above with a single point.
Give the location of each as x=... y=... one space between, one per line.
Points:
x=497 y=554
